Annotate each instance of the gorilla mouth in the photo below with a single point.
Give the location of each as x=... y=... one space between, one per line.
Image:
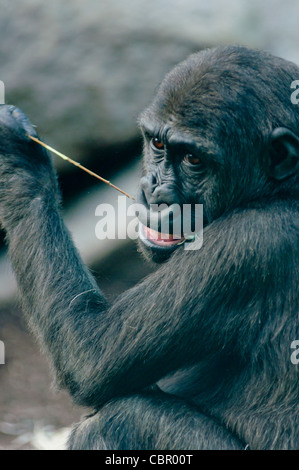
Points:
x=162 y=240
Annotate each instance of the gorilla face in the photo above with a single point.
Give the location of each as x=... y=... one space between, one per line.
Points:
x=173 y=178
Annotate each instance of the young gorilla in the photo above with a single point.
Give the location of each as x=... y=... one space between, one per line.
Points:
x=198 y=355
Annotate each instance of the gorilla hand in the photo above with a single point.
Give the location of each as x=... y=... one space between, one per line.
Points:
x=26 y=170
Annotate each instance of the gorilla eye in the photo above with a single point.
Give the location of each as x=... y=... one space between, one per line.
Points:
x=191 y=159
x=158 y=144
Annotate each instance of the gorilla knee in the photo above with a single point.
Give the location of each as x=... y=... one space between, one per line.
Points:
x=87 y=435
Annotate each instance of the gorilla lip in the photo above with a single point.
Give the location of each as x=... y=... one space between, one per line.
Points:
x=161 y=239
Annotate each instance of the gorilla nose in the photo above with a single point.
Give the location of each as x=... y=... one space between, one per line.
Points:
x=165 y=197
x=157 y=194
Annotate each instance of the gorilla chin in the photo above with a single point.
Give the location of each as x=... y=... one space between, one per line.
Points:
x=158 y=246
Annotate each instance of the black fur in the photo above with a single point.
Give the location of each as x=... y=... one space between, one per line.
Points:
x=212 y=328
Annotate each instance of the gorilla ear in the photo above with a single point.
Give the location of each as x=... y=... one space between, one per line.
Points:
x=284 y=153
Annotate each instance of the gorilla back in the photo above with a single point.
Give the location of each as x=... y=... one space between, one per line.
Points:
x=197 y=356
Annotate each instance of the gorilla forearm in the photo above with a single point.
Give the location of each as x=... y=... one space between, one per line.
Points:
x=54 y=304
x=87 y=340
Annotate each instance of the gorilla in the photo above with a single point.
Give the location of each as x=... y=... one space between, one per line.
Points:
x=197 y=356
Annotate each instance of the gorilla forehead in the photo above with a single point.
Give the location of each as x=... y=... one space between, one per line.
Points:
x=227 y=85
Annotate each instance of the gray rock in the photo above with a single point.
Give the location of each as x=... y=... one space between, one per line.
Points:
x=78 y=73
x=84 y=70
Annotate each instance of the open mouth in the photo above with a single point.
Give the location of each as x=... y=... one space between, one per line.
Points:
x=162 y=240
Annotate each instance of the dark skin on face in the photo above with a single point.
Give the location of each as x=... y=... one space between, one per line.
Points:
x=197 y=356
x=175 y=165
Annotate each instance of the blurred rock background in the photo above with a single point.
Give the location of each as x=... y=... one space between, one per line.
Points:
x=83 y=71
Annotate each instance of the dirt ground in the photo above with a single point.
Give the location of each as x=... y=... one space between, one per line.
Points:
x=28 y=401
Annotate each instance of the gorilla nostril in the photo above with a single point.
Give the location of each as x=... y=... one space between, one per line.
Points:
x=147 y=184
x=154 y=181
x=156 y=194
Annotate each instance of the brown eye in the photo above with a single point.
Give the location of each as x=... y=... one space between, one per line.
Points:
x=189 y=158
x=157 y=143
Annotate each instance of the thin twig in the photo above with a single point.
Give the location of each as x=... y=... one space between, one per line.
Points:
x=73 y=162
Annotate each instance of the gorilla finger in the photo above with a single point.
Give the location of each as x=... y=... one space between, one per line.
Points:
x=12 y=118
